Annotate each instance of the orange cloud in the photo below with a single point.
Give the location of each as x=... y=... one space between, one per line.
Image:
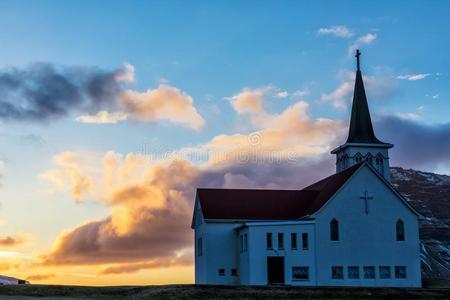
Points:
x=184 y=260
x=8 y=241
x=151 y=200
x=164 y=103
x=40 y=277
x=70 y=174
x=6 y=266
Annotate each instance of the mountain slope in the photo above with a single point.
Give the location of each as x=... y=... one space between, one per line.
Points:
x=429 y=193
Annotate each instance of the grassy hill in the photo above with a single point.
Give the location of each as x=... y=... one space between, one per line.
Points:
x=44 y=292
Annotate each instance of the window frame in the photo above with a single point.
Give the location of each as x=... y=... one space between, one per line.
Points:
x=334 y=230
x=305 y=241
x=400 y=231
x=280 y=241
x=405 y=272
x=381 y=275
x=341 y=268
x=269 y=240
x=301 y=279
x=294 y=241
x=353 y=268
x=369 y=268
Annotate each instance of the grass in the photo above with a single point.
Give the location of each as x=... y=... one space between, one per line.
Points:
x=45 y=292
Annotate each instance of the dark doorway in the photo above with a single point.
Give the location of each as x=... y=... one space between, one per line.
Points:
x=275 y=270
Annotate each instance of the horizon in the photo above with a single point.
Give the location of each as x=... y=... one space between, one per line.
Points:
x=113 y=114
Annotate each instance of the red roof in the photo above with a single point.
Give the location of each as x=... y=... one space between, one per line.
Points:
x=243 y=204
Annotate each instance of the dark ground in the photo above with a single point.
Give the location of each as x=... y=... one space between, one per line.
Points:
x=45 y=292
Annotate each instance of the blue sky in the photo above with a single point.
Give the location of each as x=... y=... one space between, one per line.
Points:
x=285 y=54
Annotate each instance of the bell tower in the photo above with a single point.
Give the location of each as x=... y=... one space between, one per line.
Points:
x=362 y=144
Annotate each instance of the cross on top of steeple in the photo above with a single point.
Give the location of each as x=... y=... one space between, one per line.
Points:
x=358 y=54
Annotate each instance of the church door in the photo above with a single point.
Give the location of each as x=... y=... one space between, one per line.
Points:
x=275 y=270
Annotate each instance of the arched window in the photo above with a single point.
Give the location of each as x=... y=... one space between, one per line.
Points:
x=400 y=229
x=358 y=157
x=369 y=159
x=380 y=165
x=334 y=230
x=345 y=161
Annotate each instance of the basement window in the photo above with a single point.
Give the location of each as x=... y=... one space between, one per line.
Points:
x=221 y=272
x=400 y=272
x=385 y=272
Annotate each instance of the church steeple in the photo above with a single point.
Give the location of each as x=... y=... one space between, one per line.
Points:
x=361 y=130
x=362 y=144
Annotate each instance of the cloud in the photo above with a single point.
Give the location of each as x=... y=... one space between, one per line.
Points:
x=44 y=92
x=361 y=41
x=281 y=94
x=183 y=260
x=8 y=241
x=408 y=115
x=416 y=145
x=413 y=77
x=338 y=31
x=126 y=74
x=163 y=103
x=249 y=100
x=40 y=277
x=379 y=88
x=300 y=93
x=69 y=177
x=7 y=266
x=102 y=117
x=151 y=200
x=340 y=98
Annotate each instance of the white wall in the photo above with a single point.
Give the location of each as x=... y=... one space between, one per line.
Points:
x=256 y=257
x=219 y=252
x=367 y=239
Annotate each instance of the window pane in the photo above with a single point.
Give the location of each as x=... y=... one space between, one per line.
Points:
x=400 y=272
x=233 y=272
x=337 y=272
x=304 y=240
x=293 y=240
x=269 y=240
x=369 y=272
x=353 y=272
x=334 y=230
x=300 y=273
x=280 y=240
x=400 y=230
x=221 y=272
x=385 y=272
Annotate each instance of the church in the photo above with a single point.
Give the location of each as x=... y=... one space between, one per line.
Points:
x=349 y=229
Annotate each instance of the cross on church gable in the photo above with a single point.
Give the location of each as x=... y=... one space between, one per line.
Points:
x=366 y=197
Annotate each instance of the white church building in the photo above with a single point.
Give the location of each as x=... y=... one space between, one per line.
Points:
x=350 y=229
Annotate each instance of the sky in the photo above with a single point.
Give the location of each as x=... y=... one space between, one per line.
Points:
x=113 y=113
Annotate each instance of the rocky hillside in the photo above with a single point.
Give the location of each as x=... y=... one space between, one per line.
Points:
x=429 y=193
